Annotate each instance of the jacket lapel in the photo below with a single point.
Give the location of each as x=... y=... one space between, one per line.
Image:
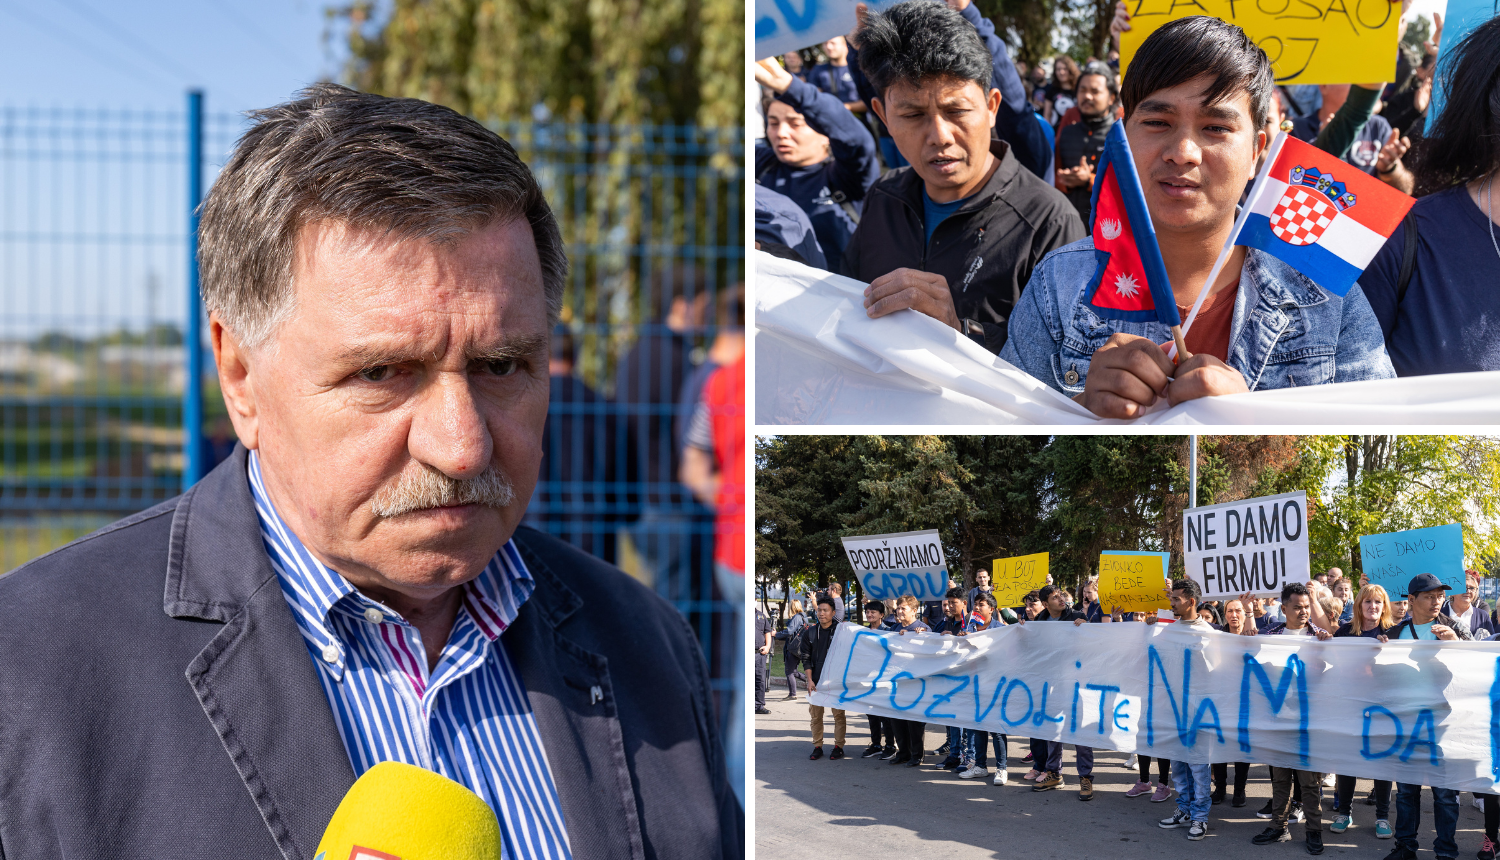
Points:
x=574 y=707
x=255 y=679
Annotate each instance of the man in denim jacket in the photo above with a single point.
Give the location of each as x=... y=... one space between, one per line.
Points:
x=1196 y=98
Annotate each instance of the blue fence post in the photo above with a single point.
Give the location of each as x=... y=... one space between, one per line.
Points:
x=192 y=405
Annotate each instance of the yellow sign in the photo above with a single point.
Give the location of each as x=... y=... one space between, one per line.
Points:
x=1014 y=578
x=1308 y=41
x=1134 y=583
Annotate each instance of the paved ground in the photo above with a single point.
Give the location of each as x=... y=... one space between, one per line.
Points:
x=865 y=808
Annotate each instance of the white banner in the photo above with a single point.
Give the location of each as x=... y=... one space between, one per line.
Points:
x=1422 y=712
x=889 y=566
x=1256 y=545
x=820 y=360
x=790 y=25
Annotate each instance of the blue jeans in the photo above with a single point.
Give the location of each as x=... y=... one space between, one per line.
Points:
x=734 y=738
x=960 y=745
x=1409 y=818
x=979 y=742
x=1193 y=788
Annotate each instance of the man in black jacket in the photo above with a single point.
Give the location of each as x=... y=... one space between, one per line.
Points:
x=1058 y=609
x=957 y=234
x=815 y=644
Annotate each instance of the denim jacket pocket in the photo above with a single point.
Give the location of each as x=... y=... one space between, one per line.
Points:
x=1300 y=364
x=1083 y=335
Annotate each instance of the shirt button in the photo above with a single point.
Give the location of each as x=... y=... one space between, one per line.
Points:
x=330 y=653
x=374 y=616
x=1071 y=377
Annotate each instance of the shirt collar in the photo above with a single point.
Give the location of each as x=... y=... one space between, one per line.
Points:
x=493 y=599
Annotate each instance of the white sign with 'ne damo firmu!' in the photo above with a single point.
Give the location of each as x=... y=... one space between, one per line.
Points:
x=1253 y=545
x=889 y=566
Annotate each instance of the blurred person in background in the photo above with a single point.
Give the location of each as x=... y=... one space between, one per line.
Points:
x=833 y=77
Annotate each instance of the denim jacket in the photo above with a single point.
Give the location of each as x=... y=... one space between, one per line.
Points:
x=1286 y=330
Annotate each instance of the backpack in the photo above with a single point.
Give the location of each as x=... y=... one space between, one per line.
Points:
x=797 y=644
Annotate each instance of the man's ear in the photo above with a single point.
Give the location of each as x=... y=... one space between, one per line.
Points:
x=994 y=100
x=879 y=107
x=233 y=362
x=1261 y=142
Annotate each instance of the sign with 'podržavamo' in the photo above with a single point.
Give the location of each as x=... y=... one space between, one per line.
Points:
x=889 y=566
x=1253 y=545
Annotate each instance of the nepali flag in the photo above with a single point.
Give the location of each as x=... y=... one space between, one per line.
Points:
x=1322 y=216
x=1131 y=281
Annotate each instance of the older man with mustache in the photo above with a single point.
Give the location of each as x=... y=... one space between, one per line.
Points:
x=351 y=586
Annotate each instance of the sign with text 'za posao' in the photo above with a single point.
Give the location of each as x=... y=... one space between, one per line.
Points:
x=1392 y=560
x=889 y=566
x=1254 y=545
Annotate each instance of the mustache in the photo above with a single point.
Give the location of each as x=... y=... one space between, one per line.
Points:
x=431 y=488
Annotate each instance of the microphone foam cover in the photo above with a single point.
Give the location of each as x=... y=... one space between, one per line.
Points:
x=398 y=811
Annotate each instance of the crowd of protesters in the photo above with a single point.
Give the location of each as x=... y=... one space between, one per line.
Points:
x=922 y=159
x=1325 y=608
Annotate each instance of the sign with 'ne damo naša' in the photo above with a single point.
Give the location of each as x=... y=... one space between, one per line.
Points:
x=1253 y=545
x=889 y=566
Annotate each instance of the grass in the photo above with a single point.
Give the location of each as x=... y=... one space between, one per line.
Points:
x=23 y=540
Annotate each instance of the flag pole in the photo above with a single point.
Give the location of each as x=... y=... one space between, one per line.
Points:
x=1179 y=344
x=1213 y=274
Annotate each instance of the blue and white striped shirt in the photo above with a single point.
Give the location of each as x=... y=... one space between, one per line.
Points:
x=469 y=720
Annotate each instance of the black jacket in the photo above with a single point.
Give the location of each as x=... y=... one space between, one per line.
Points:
x=815 y=644
x=157 y=700
x=986 y=250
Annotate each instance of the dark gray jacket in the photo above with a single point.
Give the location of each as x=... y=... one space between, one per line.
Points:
x=157 y=700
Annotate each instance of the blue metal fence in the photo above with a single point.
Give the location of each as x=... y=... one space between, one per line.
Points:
x=95 y=379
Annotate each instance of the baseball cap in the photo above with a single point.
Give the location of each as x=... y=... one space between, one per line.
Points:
x=1425 y=582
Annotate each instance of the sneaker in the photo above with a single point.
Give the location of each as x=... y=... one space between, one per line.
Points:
x=902 y=758
x=1139 y=789
x=1383 y=829
x=916 y=761
x=1162 y=793
x=1031 y=775
x=1265 y=811
x=1401 y=854
x=1328 y=780
x=1085 y=788
x=838 y=753
x=1238 y=800
x=1295 y=816
x=1026 y=758
x=1487 y=850
x=760 y=710
x=1217 y=797
x=1315 y=843
x=1197 y=830
x=871 y=751
x=1130 y=762
x=1273 y=834
x=1178 y=819
x=974 y=771
x=817 y=753
x=942 y=750
x=948 y=763
x=1001 y=777
x=888 y=755
x=1370 y=798
x=1341 y=823
x=1052 y=779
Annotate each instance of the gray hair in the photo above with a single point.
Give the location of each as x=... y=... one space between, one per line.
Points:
x=412 y=169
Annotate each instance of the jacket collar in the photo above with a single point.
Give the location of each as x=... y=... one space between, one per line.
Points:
x=910 y=186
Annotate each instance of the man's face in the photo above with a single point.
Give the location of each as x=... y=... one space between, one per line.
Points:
x=404 y=363
x=825 y=614
x=1193 y=159
x=982 y=578
x=1426 y=605
x=1093 y=96
x=954 y=606
x=794 y=142
x=1298 y=609
x=983 y=609
x=836 y=49
x=1056 y=603
x=1183 y=606
x=1033 y=607
x=943 y=128
x=793 y=61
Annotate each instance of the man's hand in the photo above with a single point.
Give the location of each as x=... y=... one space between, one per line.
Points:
x=1152 y=618
x=811 y=687
x=1363 y=580
x=957 y=5
x=909 y=289
x=1391 y=153
x=1078 y=621
x=1321 y=633
x=1444 y=632
x=1126 y=376
x=1077 y=177
x=770 y=74
x=1202 y=375
x=1432 y=44
x=1119 y=24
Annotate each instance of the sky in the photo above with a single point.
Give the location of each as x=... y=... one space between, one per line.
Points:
x=140 y=54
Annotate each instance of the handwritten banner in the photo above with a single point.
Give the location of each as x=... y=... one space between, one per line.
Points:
x=791 y=25
x=1256 y=545
x=1391 y=560
x=889 y=566
x=1417 y=712
x=1133 y=581
x=1308 y=41
x=1016 y=577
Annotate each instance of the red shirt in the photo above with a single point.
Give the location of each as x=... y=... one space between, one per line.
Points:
x=724 y=397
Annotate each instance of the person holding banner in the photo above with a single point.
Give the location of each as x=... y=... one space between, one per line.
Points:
x=815 y=648
x=986 y=617
x=1466 y=607
x=1288 y=785
x=1055 y=599
x=1196 y=97
x=1371 y=620
x=956 y=621
x=879 y=726
x=910 y=734
x=1432 y=284
x=1191 y=780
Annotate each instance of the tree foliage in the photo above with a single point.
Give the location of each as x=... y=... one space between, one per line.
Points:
x=1077 y=496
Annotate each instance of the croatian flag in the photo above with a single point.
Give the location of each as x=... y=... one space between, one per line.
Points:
x=1320 y=215
x=1131 y=280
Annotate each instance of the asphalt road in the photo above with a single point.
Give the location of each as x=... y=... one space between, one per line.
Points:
x=865 y=808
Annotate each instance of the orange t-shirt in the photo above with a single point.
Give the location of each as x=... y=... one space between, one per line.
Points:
x=1210 y=331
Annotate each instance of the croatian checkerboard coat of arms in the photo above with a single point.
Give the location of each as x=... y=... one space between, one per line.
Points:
x=1312 y=201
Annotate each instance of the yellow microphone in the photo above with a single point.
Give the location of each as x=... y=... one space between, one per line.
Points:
x=399 y=811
